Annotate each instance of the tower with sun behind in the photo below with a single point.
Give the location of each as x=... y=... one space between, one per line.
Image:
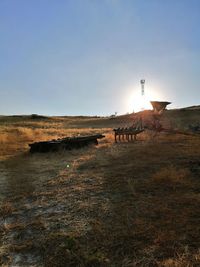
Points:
x=142 y=82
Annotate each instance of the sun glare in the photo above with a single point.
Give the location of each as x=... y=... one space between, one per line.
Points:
x=137 y=102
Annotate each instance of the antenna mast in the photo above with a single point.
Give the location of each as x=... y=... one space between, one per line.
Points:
x=142 y=82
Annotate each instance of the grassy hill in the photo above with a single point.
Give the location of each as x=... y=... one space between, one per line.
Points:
x=111 y=205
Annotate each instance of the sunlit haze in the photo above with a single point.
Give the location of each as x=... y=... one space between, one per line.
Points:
x=137 y=102
x=87 y=57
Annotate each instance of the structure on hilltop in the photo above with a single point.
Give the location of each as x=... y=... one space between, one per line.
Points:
x=159 y=106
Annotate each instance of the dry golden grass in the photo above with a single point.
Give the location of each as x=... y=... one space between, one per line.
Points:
x=15 y=139
x=124 y=204
x=171 y=177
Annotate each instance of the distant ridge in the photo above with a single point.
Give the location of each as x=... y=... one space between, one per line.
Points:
x=192 y=107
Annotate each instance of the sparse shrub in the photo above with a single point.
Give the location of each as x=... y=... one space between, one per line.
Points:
x=38 y=117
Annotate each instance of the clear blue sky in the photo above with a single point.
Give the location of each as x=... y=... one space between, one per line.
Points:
x=70 y=57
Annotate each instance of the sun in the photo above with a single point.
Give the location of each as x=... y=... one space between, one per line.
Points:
x=137 y=102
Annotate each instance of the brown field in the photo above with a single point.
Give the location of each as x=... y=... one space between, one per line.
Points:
x=125 y=204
